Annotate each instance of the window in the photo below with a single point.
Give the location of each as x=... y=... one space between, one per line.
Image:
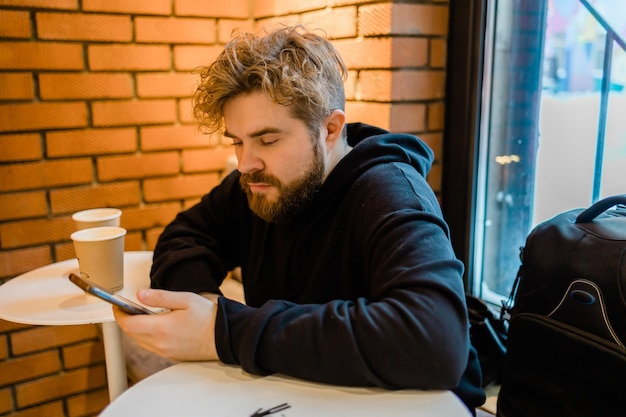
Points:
x=540 y=128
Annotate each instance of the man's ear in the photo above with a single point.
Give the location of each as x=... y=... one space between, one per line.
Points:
x=335 y=123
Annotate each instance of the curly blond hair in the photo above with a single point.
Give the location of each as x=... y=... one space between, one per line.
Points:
x=294 y=66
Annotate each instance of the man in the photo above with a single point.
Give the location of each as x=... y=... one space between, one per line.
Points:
x=347 y=267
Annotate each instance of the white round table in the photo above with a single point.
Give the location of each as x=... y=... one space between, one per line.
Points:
x=206 y=389
x=45 y=296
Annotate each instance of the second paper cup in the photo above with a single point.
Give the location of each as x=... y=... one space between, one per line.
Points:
x=100 y=253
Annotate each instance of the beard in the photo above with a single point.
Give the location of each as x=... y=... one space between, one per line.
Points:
x=293 y=198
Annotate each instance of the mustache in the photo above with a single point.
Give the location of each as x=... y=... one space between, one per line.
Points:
x=245 y=179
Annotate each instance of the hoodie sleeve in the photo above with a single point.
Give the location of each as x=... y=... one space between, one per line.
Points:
x=196 y=250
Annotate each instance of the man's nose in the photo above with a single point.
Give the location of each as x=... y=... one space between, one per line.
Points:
x=248 y=160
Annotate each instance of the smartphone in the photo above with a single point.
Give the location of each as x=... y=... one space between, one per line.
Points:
x=123 y=303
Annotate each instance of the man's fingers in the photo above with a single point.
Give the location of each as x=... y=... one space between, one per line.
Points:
x=172 y=300
x=186 y=332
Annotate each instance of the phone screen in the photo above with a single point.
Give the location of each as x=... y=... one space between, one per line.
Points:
x=123 y=303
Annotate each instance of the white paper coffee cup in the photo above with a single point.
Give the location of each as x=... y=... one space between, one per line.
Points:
x=100 y=253
x=98 y=217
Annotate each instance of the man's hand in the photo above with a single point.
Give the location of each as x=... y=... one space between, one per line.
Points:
x=185 y=333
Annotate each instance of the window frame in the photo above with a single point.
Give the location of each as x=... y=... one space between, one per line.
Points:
x=465 y=63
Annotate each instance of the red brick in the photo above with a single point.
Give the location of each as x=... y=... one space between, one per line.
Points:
x=187 y=58
x=375 y=85
x=150 y=215
x=152 y=236
x=420 y=19
x=190 y=202
x=15 y=262
x=45 y=174
x=83 y=27
x=112 y=113
x=174 y=137
x=51 y=409
x=118 y=194
x=128 y=57
x=212 y=8
x=179 y=187
x=28 y=367
x=133 y=241
x=335 y=23
x=23 y=147
x=185 y=111
x=403 y=19
x=418 y=85
x=438 y=52
x=350 y=85
x=44 y=4
x=275 y=22
x=134 y=166
x=158 y=7
x=383 y=52
x=34 y=232
x=92 y=402
x=262 y=8
x=90 y=142
x=408 y=118
x=41 y=56
x=83 y=354
x=64 y=251
x=6 y=400
x=23 y=205
x=409 y=52
x=202 y=160
x=401 y=85
x=56 y=86
x=337 y=3
x=376 y=19
x=434 y=177
x=4 y=348
x=14 y=24
x=436 y=116
x=62 y=385
x=365 y=53
x=16 y=86
x=225 y=28
x=40 y=338
x=9 y=326
x=376 y=114
x=36 y=116
x=167 y=84
x=174 y=30
x=435 y=142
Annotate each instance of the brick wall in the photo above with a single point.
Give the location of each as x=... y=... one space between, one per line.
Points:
x=95 y=110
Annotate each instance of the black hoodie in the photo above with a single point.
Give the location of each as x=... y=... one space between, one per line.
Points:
x=362 y=289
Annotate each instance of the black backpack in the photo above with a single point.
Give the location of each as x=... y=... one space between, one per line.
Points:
x=567 y=330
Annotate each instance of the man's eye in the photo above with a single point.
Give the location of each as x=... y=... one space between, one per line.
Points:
x=237 y=143
x=268 y=142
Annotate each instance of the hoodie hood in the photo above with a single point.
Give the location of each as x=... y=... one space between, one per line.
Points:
x=375 y=146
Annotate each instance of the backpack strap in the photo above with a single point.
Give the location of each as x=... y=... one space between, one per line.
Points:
x=600 y=207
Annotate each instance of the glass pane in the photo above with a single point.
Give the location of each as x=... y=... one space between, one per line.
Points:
x=542 y=119
x=614 y=172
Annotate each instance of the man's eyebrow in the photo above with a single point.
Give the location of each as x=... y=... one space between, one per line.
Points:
x=257 y=133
